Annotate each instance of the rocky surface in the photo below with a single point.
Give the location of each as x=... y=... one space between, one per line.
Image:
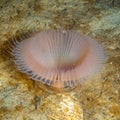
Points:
x=97 y=99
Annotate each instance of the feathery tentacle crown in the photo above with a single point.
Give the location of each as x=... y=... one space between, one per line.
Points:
x=58 y=58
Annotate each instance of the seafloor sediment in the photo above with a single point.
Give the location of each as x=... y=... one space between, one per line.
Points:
x=98 y=98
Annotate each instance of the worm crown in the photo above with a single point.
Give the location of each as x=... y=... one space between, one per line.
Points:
x=58 y=58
